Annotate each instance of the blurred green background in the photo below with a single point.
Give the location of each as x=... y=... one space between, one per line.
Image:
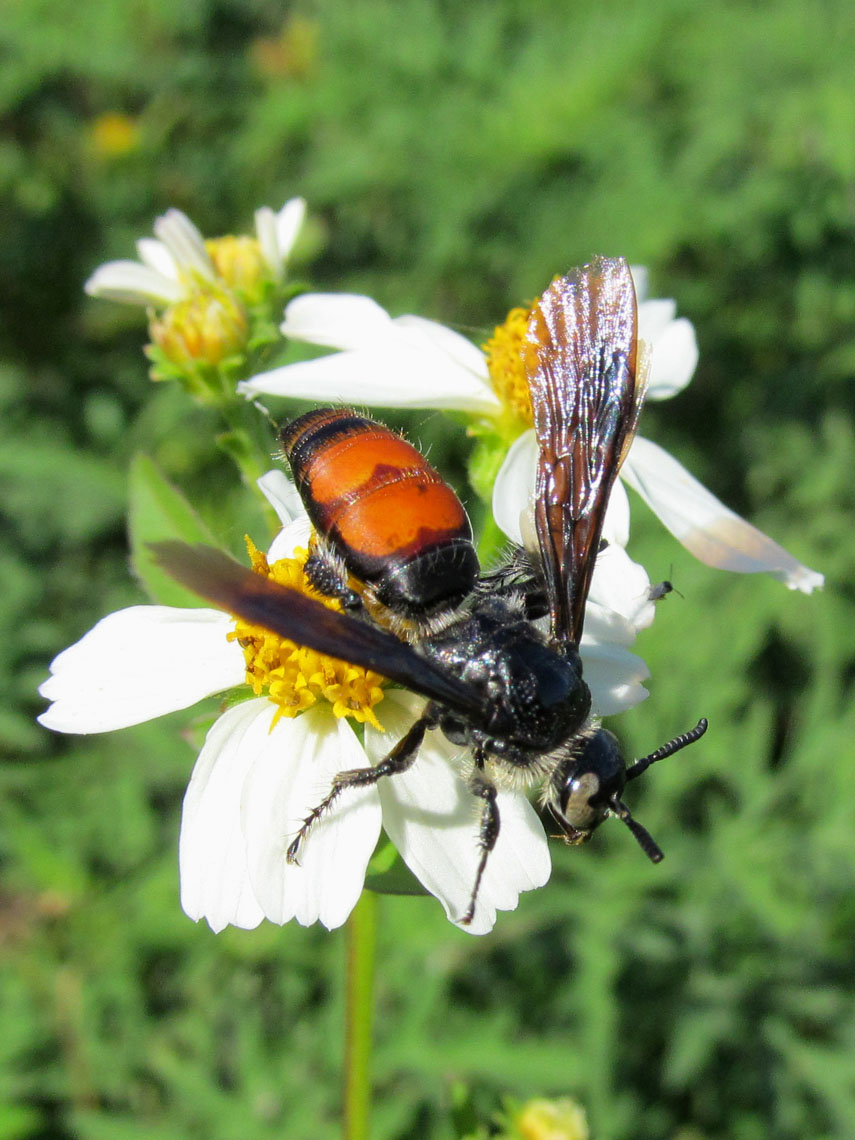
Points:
x=454 y=157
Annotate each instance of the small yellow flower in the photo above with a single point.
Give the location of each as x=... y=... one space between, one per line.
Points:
x=559 y=1119
x=114 y=134
x=205 y=328
x=241 y=264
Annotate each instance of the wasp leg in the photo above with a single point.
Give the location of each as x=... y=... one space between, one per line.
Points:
x=488 y=832
x=516 y=577
x=398 y=760
x=328 y=577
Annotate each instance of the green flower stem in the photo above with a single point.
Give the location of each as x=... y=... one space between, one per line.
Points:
x=359 y=1015
x=248 y=443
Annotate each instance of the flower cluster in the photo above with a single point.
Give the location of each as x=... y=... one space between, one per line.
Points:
x=207 y=300
x=270 y=758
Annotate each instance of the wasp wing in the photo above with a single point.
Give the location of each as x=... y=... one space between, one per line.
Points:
x=581 y=357
x=257 y=600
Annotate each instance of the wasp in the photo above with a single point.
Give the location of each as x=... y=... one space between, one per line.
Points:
x=425 y=616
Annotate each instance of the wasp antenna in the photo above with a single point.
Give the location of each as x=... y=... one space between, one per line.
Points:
x=645 y=840
x=668 y=749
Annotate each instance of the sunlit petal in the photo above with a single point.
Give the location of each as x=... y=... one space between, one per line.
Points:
x=289 y=222
x=513 y=490
x=282 y=495
x=614 y=676
x=336 y=320
x=132 y=284
x=277 y=232
x=155 y=255
x=139 y=663
x=406 y=362
x=654 y=317
x=265 y=231
x=422 y=333
x=215 y=883
x=291 y=774
x=616 y=522
x=621 y=586
x=707 y=528
x=185 y=243
x=295 y=534
x=433 y=819
x=674 y=359
x=392 y=374
x=641 y=281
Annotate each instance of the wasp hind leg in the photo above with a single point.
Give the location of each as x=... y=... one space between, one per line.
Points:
x=327 y=573
x=488 y=830
x=398 y=760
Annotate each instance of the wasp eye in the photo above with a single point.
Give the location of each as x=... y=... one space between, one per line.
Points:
x=577 y=799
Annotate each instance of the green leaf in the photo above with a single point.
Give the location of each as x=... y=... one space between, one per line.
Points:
x=159 y=511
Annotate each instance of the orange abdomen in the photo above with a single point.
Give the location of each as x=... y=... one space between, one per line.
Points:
x=382 y=507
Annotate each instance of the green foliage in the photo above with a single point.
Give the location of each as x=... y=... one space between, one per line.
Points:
x=455 y=157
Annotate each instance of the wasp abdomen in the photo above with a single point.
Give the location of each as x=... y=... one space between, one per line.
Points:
x=382 y=507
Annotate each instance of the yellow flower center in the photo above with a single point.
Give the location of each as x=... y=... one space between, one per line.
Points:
x=240 y=263
x=504 y=351
x=206 y=327
x=292 y=676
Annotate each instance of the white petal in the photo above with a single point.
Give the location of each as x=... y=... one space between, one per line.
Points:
x=293 y=771
x=185 y=243
x=433 y=818
x=295 y=534
x=513 y=495
x=336 y=320
x=616 y=523
x=133 y=284
x=155 y=255
x=614 y=676
x=138 y=664
x=407 y=362
x=707 y=528
x=289 y=222
x=265 y=231
x=640 y=278
x=424 y=335
x=282 y=495
x=384 y=377
x=674 y=359
x=215 y=882
x=654 y=317
x=513 y=490
x=621 y=586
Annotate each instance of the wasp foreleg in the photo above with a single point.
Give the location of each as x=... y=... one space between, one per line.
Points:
x=398 y=760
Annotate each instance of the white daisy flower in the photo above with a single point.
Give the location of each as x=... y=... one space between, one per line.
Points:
x=178 y=261
x=260 y=772
x=410 y=362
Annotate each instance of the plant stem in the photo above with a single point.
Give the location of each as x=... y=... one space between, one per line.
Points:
x=359 y=1015
x=248 y=444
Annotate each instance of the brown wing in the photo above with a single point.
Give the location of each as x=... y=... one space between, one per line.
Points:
x=219 y=579
x=581 y=360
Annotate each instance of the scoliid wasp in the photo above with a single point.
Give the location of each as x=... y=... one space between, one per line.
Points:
x=424 y=617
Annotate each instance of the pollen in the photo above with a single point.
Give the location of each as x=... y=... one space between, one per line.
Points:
x=292 y=676
x=504 y=351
